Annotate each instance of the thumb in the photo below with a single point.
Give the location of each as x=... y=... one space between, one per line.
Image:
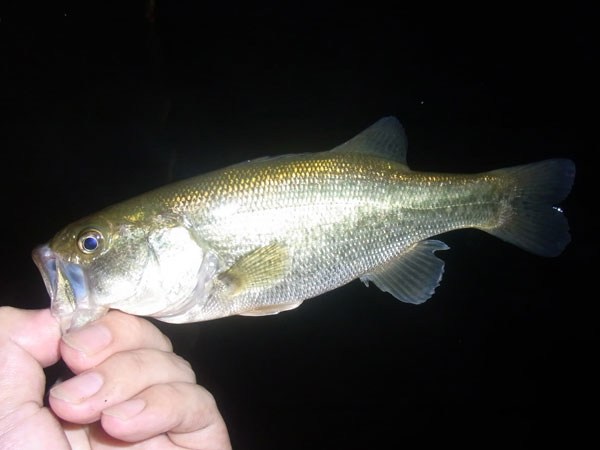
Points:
x=29 y=341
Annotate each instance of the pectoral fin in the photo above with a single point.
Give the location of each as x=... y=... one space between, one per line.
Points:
x=413 y=276
x=260 y=268
x=270 y=309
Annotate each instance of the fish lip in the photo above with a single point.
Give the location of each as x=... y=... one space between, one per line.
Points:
x=65 y=282
x=45 y=260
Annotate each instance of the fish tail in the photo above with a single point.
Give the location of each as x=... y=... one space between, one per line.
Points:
x=528 y=217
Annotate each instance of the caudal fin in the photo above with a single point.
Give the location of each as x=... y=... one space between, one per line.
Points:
x=532 y=221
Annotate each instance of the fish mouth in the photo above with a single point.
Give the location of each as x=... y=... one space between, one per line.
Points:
x=65 y=282
x=45 y=260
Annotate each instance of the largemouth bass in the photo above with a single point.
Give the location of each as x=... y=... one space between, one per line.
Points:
x=262 y=236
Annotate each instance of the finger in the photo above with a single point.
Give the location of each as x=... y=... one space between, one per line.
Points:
x=99 y=439
x=35 y=331
x=123 y=375
x=28 y=341
x=88 y=346
x=186 y=411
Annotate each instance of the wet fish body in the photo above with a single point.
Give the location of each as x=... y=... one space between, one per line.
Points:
x=262 y=236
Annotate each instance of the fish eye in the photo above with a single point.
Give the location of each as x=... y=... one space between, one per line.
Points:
x=90 y=241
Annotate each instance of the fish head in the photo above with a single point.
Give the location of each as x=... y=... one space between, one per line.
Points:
x=96 y=264
x=66 y=263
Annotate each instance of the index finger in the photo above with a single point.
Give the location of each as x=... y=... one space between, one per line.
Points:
x=88 y=346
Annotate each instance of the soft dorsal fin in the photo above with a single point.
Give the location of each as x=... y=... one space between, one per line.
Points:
x=385 y=138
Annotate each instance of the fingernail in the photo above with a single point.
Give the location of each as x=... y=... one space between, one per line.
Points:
x=126 y=410
x=79 y=388
x=90 y=339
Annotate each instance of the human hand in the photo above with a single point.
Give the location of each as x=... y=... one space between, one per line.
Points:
x=129 y=389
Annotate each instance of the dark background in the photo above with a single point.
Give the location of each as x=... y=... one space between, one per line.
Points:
x=101 y=101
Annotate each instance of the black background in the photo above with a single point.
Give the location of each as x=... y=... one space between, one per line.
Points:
x=101 y=101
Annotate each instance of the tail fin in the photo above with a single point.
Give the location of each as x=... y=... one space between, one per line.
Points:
x=531 y=221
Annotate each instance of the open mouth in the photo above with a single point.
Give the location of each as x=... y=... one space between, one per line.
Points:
x=65 y=283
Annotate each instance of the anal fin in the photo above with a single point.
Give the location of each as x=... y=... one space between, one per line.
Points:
x=413 y=276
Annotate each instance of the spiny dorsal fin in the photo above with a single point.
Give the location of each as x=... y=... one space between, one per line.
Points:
x=385 y=138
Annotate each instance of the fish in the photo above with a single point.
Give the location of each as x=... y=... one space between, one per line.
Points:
x=262 y=236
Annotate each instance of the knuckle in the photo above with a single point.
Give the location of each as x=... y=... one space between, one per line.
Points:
x=208 y=398
x=132 y=325
x=137 y=331
x=129 y=364
x=168 y=391
x=168 y=345
x=185 y=367
x=139 y=361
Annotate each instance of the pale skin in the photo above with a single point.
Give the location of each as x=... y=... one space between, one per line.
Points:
x=129 y=390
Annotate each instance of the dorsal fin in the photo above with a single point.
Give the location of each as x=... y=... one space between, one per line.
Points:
x=385 y=138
